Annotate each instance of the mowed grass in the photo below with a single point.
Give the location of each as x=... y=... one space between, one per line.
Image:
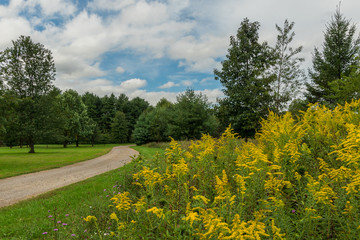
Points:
x=30 y=219
x=17 y=161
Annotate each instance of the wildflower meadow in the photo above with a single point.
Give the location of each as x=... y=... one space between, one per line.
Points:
x=298 y=179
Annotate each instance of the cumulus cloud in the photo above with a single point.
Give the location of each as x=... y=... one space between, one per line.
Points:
x=134 y=83
x=169 y=85
x=194 y=34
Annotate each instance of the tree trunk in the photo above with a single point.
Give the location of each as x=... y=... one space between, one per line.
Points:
x=65 y=144
x=77 y=141
x=32 y=146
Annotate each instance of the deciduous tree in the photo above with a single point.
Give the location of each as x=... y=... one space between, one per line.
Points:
x=28 y=70
x=286 y=68
x=243 y=75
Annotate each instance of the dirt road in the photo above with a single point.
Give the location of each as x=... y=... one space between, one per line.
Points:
x=16 y=189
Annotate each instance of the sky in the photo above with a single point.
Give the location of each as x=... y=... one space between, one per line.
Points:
x=156 y=48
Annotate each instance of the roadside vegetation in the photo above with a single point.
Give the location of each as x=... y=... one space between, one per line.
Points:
x=30 y=219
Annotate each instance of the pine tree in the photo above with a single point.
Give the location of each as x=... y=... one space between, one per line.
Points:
x=340 y=49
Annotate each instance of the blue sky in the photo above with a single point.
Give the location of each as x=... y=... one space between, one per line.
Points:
x=154 y=49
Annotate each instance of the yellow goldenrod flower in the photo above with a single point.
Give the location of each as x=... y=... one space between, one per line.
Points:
x=114 y=217
x=140 y=204
x=202 y=198
x=157 y=211
x=90 y=218
x=122 y=201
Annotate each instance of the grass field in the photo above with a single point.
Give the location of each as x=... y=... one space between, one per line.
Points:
x=30 y=219
x=17 y=161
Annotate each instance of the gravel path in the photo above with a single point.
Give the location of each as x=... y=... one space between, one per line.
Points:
x=16 y=189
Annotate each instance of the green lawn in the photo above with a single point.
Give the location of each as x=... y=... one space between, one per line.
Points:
x=17 y=161
x=29 y=219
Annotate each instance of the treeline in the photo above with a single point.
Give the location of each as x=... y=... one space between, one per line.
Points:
x=256 y=78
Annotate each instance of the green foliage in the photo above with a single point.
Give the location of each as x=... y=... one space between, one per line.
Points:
x=347 y=88
x=94 y=106
x=120 y=128
x=243 y=75
x=134 y=108
x=188 y=118
x=340 y=49
x=75 y=120
x=29 y=70
x=107 y=112
x=142 y=131
x=191 y=117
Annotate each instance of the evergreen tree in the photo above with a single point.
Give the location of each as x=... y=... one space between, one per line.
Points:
x=340 y=49
x=120 y=128
x=245 y=80
x=107 y=112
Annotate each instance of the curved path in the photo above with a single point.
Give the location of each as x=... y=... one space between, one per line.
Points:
x=15 y=189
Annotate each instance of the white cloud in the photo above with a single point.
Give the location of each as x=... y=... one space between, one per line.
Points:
x=63 y=7
x=11 y=29
x=199 y=54
x=188 y=83
x=114 y=5
x=134 y=83
x=120 y=69
x=169 y=85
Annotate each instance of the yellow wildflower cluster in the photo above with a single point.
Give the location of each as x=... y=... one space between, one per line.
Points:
x=149 y=178
x=90 y=218
x=298 y=179
x=157 y=211
x=122 y=201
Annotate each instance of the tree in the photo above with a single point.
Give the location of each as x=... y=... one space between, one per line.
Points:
x=133 y=110
x=246 y=84
x=191 y=117
x=76 y=123
x=107 y=112
x=28 y=70
x=142 y=129
x=340 y=49
x=94 y=106
x=347 y=88
x=120 y=128
x=286 y=68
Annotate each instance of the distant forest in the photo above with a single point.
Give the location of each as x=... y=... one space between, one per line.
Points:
x=256 y=78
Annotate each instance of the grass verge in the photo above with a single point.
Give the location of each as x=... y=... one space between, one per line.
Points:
x=63 y=209
x=18 y=161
